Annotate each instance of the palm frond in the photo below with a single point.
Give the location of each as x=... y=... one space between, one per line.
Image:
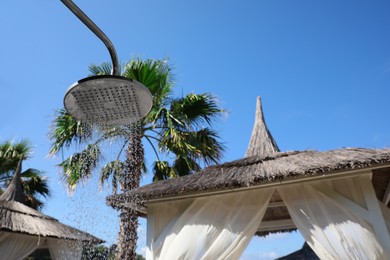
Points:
x=34 y=186
x=194 y=147
x=209 y=148
x=79 y=166
x=34 y=202
x=98 y=70
x=10 y=154
x=178 y=127
x=196 y=110
x=162 y=170
x=34 y=183
x=11 y=150
x=154 y=74
x=176 y=141
x=184 y=165
x=115 y=170
x=66 y=130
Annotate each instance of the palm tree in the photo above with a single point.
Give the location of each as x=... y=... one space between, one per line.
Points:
x=176 y=128
x=33 y=183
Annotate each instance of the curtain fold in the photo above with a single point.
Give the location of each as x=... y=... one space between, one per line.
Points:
x=15 y=246
x=331 y=216
x=213 y=227
x=61 y=249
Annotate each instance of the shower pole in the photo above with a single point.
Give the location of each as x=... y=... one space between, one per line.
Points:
x=99 y=33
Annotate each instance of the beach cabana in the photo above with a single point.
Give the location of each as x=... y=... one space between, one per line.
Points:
x=24 y=230
x=337 y=199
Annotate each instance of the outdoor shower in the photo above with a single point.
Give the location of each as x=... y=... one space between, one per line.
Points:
x=107 y=100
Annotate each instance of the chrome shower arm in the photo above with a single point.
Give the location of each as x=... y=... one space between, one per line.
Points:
x=99 y=33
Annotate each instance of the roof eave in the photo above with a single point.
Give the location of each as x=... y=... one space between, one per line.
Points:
x=287 y=180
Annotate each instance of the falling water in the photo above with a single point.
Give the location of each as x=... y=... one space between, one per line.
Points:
x=90 y=213
x=126 y=220
x=131 y=180
x=113 y=100
x=87 y=211
x=107 y=102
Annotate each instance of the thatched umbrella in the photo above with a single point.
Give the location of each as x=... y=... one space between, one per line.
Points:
x=264 y=166
x=23 y=229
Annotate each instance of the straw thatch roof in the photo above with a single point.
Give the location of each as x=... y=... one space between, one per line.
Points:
x=16 y=217
x=19 y=218
x=14 y=190
x=262 y=166
x=305 y=253
x=261 y=141
x=263 y=170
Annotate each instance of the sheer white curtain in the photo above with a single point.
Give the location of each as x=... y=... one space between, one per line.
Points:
x=340 y=219
x=213 y=227
x=14 y=246
x=61 y=249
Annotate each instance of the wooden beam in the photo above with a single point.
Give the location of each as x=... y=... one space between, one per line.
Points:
x=136 y=207
x=276 y=204
x=276 y=224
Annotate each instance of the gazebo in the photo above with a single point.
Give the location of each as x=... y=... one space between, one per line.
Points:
x=24 y=230
x=337 y=199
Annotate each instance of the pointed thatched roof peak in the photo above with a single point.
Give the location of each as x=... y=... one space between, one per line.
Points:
x=14 y=190
x=261 y=142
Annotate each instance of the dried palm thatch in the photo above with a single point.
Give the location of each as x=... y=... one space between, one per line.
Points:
x=19 y=218
x=16 y=217
x=261 y=141
x=263 y=170
x=305 y=253
x=262 y=166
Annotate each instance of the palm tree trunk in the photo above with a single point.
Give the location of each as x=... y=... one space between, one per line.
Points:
x=127 y=241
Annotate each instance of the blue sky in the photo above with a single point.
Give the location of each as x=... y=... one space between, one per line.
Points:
x=322 y=69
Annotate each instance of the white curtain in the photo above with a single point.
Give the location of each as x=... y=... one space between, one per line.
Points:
x=15 y=246
x=61 y=249
x=340 y=219
x=213 y=227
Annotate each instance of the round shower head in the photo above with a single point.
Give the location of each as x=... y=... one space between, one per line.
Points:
x=108 y=100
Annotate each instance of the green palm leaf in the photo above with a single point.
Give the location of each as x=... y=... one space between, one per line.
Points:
x=162 y=170
x=174 y=125
x=104 y=69
x=35 y=186
x=67 y=130
x=115 y=170
x=79 y=166
x=196 y=110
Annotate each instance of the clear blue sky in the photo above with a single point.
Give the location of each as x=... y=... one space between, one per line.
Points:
x=322 y=69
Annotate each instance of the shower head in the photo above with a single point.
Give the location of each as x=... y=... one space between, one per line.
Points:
x=108 y=100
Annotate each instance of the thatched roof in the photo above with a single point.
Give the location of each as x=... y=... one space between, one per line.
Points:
x=19 y=218
x=16 y=217
x=305 y=253
x=14 y=190
x=261 y=141
x=259 y=171
x=264 y=166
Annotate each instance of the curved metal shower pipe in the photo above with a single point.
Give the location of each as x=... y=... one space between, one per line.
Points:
x=96 y=30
